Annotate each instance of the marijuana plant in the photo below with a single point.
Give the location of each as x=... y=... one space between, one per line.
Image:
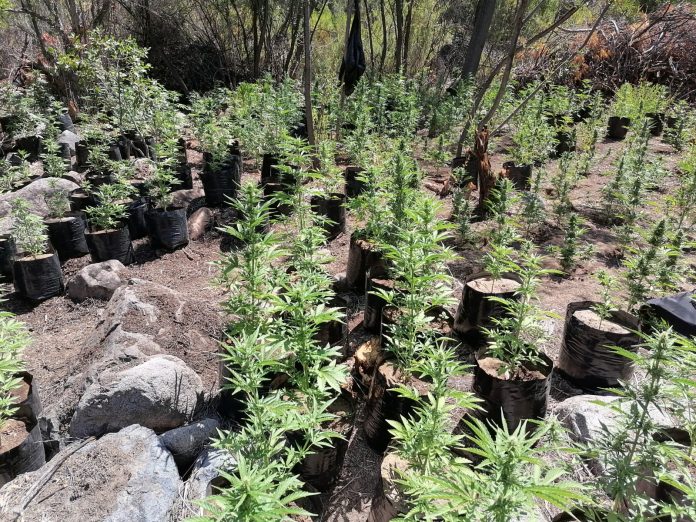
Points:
x=14 y=338
x=28 y=230
x=57 y=200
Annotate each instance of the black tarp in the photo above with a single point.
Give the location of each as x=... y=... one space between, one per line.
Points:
x=353 y=64
x=679 y=311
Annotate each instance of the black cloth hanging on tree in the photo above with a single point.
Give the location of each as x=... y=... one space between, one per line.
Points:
x=353 y=64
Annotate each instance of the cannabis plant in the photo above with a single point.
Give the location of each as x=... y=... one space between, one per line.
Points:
x=417 y=260
x=573 y=249
x=28 y=229
x=645 y=267
x=57 y=200
x=14 y=338
x=633 y=452
x=462 y=207
x=110 y=211
x=160 y=184
x=501 y=203
x=606 y=305
x=533 y=212
x=563 y=182
x=517 y=335
x=248 y=272
x=512 y=476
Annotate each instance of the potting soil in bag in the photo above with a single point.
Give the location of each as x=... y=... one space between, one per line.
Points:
x=679 y=311
x=353 y=64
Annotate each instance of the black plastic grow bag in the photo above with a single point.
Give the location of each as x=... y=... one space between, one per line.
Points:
x=67 y=235
x=168 y=228
x=362 y=256
x=137 y=218
x=618 y=127
x=475 y=309
x=513 y=399
x=587 y=359
x=222 y=184
x=8 y=251
x=110 y=244
x=679 y=311
x=354 y=184
x=38 y=278
x=332 y=207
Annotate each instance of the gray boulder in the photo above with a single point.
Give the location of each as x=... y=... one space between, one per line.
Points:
x=123 y=477
x=187 y=442
x=34 y=194
x=97 y=281
x=586 y=420
x=183 y=198
x=205 y=474
x=70 y=138
x=161 y=393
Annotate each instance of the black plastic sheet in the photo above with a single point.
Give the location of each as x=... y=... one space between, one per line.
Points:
x=353 y=64
x=679 y=311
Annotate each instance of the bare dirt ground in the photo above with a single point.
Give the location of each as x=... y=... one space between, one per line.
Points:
x=60 y=328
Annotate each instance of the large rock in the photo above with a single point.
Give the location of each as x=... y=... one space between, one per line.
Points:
x=97 y=281
x=123 y=477
x=69 y=138
x=184 y=197
x=181 y=326
x=187 y=442
x=34 y=193
x=588 y=416
x=205 y=474
x=161 y=393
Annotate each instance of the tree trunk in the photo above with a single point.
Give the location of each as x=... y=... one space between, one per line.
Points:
x=399 y=26
x=383 y=17
x=308 y=73
x=485 y=9
x=486 y=178
x=407 y=36
x=369 y=32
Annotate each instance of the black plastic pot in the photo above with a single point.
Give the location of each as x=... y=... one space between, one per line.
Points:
x=137 y=218
x=277 y=208
x=656 y=122
x=65 y=122
x=168 y=229
x=672 y=122
x=565 y=142
x=269 y=170
x=28 y=404
x=618 y=127
x=222 y=184
x=110 y=244
x=475 y=309
x=125 y=145
x=518 y=174
x=79 y=200
x=38 y=278
x=31 y=145
x=67 y=235
x=322 y=467
x=334 y=210
x=586 y=357
x=82 y=154
x=333 y=333
x=374 y=304
x=384 y=404
x=114 y=152
x=389 y=500
x=25 y=456
x=512 y=399
x=362 y=256
x=8 y=252
x=354 y=185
